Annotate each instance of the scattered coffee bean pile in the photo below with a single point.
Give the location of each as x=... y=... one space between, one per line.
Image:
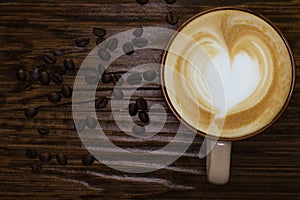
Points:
x=52 y=72
x=171 y=17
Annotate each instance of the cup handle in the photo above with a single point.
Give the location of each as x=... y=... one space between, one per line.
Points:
x=218 y=161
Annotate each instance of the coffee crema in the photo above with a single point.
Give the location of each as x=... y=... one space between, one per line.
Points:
x=230 y=68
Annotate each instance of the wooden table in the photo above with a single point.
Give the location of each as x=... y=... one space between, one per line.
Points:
x=266 y=166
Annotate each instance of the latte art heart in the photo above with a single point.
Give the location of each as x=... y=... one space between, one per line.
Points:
x=233 y=65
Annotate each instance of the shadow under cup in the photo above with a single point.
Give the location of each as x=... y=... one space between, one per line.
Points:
x=228 y=73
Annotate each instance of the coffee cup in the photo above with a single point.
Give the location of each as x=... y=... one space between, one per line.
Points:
x=228 y=74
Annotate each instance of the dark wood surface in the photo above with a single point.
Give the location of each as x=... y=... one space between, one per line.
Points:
x=266 y=166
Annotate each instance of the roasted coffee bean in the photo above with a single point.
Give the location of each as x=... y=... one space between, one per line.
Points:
x=31 y=153
x=61 y=159
x=118 y=93
x=137 y=129
x=88 y=159
x=149 y=75
x=59 y=53
x=91 y=78
x=49 y=58
x=138 y=32
x=101 y=69
x=99 y=41
x=21 y=86
x=134 y=79
x=170 y=1
x=103 y=45
x=80 y=125
x=117 y=79
x=57 y=79
x=133 y=109
x=113 y=44
x=101 y=102
x=69 y=64
x=54 y=97
x=142 y=2
x=44 y=78
x=100 y=32
x=91 y=122
x=66 y=91
x=142 y=104
x=31 y=112
x=139 y=42
x=43 y=130
x=58 y=69
x=82 y=42
x=144 y=117
x=35 y=74
x=45 y=157
x=172 y=18
x=42 y=67
x=104 y=54
x=21 y=75
x=128 y=48
x=36 y=167
x=106 y=78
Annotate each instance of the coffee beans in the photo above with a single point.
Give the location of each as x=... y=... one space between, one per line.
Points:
x=134 y=79
x=106 y=78
x=117 y=79
x=80 y=124
x=170 y=1
x=21 y=86
x=66 y=91
x=149 y=75
x=138 y=32
x=91 y=122
x=45 y=157
x=61 y=159
x=92 y=78
x=118 y=93
x=144 y=117
x=133 y=109
x=142 y=2
x=101 y=102
x=44 y=78
x=49 y=58
x=31 y=112
x=137 y=129
x=101 y=69
x=140 y=42
x=69 y=64
x=58 y=69
x=142 y=104
x=172 y=18
x=88 y=159
x=57 y=79
x=21 y=75
x=31 y=153
x=128 y=48
x=113 y=44
x=43 y=130
x=54 y=97
x=82 y=42
x=103 y=46
x=100 y=32
x=42 y=67
x=35 y=74
x=36 y=167
x=104 y=55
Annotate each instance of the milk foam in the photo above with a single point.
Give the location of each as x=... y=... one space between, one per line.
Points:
x=234 y=65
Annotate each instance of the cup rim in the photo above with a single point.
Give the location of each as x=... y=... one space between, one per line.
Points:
x=292 y=86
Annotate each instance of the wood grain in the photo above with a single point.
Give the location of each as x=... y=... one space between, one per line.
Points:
x=266 y=166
